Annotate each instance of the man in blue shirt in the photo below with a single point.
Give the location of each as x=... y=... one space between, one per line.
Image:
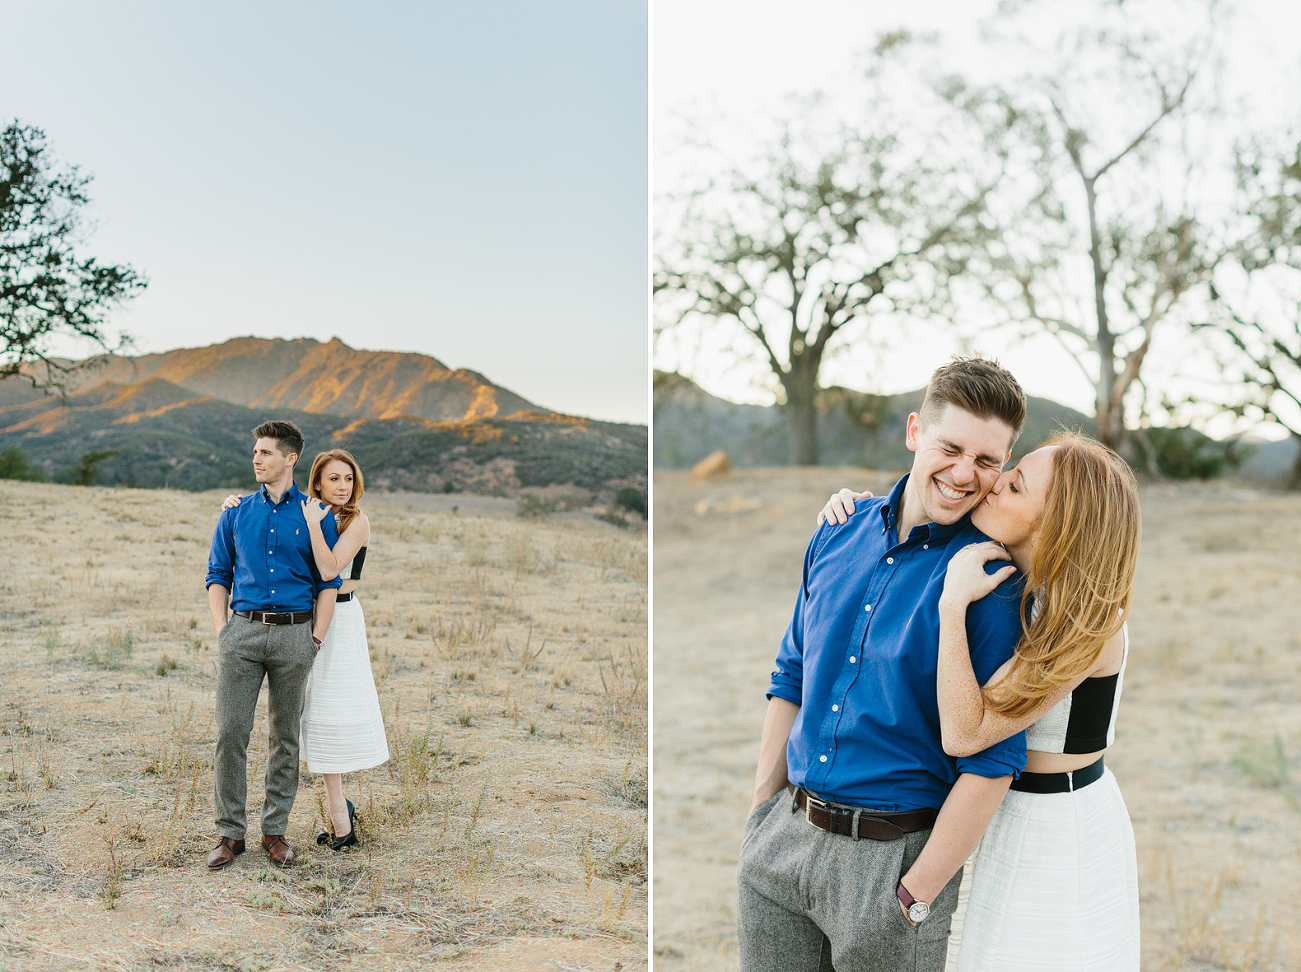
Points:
x=866 y=878
x=272 y=633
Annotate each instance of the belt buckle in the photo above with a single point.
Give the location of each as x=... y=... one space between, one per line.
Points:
x=268 y=614
x=809 y=800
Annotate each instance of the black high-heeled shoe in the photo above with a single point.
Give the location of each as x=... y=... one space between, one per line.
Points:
x=350 y=838
x=323 y=837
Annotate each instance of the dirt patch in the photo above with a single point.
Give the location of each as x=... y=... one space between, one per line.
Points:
x=1208 y=744
x=507 y=831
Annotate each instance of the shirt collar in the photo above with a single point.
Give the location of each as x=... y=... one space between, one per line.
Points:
x=291 y=493
x=936 y=532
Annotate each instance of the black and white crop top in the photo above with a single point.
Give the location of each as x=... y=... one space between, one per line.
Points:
x=1084 y=721
x=352 y=571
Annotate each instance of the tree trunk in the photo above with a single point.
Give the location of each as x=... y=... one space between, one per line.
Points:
x=1111 y=427
x=802 y=418
x=800 y=382
x=1294 y=479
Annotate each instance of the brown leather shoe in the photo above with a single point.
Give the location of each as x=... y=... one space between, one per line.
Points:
x=278 y=850
x=225 y=852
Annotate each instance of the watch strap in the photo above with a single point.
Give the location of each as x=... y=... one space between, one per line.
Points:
x=902 y=893
x=917 y=910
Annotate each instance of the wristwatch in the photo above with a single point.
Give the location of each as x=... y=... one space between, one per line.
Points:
x=317 y=641
x=917 y=910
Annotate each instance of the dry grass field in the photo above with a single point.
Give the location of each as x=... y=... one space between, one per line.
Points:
x=508 y=831
x=1208 y=745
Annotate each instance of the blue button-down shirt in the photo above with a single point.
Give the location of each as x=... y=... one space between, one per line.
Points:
x=262 y=553
x=860 y=655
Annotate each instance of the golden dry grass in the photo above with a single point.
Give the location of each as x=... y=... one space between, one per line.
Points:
x=1208 y=744
x=507 y=831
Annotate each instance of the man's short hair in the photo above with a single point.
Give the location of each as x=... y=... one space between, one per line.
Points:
x=287 y=435
x=977 y=385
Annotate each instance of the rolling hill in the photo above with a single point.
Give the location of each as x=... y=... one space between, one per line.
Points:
x=854 y=428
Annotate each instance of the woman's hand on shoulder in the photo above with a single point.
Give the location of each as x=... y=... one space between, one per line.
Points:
x=230 y=502
x=840 y=507
x=966 y=581
x=314 y=511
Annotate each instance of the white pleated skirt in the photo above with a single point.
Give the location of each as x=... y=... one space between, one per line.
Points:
x=342 y=729
x=1054 y=886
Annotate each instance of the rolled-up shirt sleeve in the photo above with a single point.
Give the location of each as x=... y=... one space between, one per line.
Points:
x=787 y=681
x=221 y=556
x=993 y=629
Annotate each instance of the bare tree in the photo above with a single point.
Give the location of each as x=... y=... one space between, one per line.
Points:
x=1255 y=317
x=47 y=288
x=1101 y=242
x=807 y=245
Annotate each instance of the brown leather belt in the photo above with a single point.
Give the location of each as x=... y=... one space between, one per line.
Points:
x=276 y=617
x=858 y=822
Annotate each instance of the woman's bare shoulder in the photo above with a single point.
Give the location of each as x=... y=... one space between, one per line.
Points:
x=1111 y=657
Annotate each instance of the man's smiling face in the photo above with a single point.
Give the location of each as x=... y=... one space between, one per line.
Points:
x=958 y=460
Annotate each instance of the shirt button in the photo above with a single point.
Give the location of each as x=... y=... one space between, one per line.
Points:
x=835 y=708
x=852 y=659
x=926 y=546
x=822 y=759
x=889 y=560
x=868 y=608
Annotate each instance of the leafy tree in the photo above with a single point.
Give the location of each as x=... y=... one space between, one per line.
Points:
x=14 y=465
x=87 y=471
x=48 y=288
x=828 y=231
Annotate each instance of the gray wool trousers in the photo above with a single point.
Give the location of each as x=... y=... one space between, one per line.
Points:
x=810 y=901
x=250 y=652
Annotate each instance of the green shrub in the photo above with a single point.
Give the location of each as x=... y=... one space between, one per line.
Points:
x=533 y=507
x=14 y=465
x=1184 y=453
x=631 y=499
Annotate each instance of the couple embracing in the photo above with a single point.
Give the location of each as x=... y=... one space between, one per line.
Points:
x=930 y=698
x=288 y=572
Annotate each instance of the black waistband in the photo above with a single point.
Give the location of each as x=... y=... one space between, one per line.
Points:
x=343 y=597
x=1059 y=782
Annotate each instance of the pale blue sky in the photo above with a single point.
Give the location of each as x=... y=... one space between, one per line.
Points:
x=467 y=181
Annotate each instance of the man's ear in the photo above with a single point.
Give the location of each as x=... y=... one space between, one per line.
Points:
x=292 y=459
x=914 y=429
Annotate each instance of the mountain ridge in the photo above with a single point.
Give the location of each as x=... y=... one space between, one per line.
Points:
x=413 y=423
x=305 y=375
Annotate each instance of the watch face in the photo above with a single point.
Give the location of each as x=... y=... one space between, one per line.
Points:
x=918 y=911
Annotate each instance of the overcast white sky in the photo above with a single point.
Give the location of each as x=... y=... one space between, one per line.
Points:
x=735 y=71
x=463 y=180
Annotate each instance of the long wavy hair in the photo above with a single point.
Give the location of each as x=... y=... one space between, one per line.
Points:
x=350 y=510
x=1081 y=572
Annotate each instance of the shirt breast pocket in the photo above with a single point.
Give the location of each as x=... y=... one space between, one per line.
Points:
x=302 y=541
